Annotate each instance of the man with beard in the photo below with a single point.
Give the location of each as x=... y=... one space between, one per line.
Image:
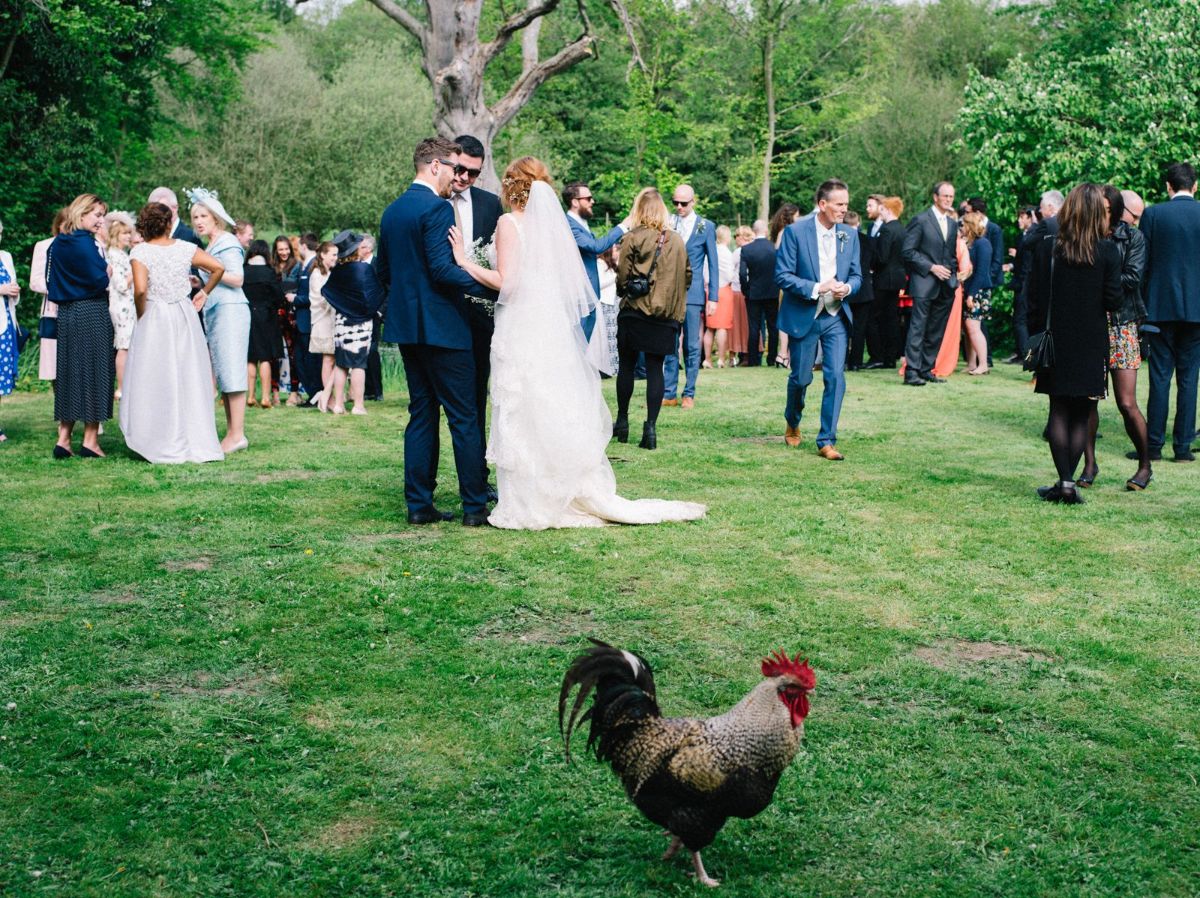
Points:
x=578 y=199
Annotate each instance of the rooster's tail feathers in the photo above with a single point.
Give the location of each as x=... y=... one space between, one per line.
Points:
x=623 y=684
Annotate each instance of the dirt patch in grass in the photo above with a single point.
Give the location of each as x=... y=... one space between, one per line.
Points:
x=952 y=653
x=532 y=626
x=345 y=833
x=773 y=438
x=107 y=597
x=202 y=683
x=200 y=563
x=283 y=476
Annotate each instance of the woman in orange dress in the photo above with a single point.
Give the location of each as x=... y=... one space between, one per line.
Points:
x=947 y=357
x=718 y=316
x=739 y=331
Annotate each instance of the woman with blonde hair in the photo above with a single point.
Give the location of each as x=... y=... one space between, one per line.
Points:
x=77 y=280
x=550 y=425
x=739 y=332
x=718 y=316
x=977 y=291
x=120 y=287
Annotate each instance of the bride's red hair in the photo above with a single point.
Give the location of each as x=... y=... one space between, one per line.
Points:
x=519 y=177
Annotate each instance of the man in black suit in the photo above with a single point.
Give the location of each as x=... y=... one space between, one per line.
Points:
x=1052 y=201
x=930 y=244
x=757 y=277
x=1171 y=286
x=888 y=278
x=862 y=299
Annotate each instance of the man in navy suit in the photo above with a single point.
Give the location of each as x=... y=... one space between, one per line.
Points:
x=818 y=269
x=427 y=315
x=756 y=274
x=930 y=254
x=476 y=212
x=578 y=199
x=700 y=238
x=1171 y=287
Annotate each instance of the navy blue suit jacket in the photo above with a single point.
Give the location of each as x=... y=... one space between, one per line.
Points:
x=1171 y=284
x=425 y=304
x=302 y=303
x=757 y=269
x=995 y=236
x=590 y=246
x=702 y=252
x=798 y=271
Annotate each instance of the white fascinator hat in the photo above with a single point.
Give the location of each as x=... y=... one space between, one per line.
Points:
x=202 y=196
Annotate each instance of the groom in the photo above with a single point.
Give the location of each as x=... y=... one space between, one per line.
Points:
x=427 y=315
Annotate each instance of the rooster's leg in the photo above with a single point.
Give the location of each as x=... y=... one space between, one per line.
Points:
x=701 y=875
x=672 y=848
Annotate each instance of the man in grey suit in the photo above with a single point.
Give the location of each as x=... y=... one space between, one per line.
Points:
x=930 y=243
x=1171 y=286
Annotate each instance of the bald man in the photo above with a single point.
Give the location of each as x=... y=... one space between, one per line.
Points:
x=700 y=238
x=1134 y=207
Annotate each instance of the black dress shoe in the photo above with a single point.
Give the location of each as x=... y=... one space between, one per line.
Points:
x=914 y=381
x=60 y=452
x=1052 y=493
x=649 y=436
x=433 y=516
x=476 y=520
x=934 y=379
x=1155 y=455
x=875 y=366
x=621 y=431
x=1185 y=455
x=854 y=367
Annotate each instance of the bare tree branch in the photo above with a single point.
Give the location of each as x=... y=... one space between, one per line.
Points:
x=514 y=23
x=813 y=101
x=404 y=18
x=520 y=93
x=618 y=6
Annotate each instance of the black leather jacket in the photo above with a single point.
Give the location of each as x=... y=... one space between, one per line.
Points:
x=1132 y=245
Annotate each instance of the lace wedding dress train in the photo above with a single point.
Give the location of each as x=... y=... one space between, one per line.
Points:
x=550 y=424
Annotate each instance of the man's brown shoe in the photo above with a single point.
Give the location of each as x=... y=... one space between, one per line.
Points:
x=688 y=402
x=792 y=437
x=829 y=452
x=670 y=402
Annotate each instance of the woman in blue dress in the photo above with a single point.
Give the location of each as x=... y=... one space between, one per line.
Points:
x=9 y=291
x=226 y=314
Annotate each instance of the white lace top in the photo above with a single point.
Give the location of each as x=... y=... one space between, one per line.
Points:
x=167 y=269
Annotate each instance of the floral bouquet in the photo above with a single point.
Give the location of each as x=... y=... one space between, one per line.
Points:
x=484 y=255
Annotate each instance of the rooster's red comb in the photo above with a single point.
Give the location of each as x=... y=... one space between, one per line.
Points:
x=778 y=664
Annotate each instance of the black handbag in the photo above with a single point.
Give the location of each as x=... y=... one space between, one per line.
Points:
x=47 y=325
x=1040 y=354
x=22 y=337
x=638 y=285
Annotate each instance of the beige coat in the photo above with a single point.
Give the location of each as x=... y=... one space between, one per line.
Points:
x=667 y=298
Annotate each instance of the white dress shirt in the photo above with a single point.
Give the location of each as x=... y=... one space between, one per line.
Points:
x=684 y=225
x=942 y=223
x=465 y=216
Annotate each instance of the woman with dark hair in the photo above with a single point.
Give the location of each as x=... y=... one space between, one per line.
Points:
x=166 y=412
x=784 y=216
x=285 y=263
x=265 y=295
x=1124 y=348
x=77 y=278
x=320 y=340
x=1075 y=279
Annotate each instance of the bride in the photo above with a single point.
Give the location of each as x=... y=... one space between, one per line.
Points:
x=550 y=424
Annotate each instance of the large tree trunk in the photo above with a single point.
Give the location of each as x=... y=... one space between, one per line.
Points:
x=764 y=193
x=454 y=59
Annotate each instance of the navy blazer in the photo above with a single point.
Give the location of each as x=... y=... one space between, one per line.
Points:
x=757 y=269
x=485 y=213
x=700 y=246
x=1171 y=285
x=590 y=246
x=995 y=236
x=183 y=232
x=425 y=287
x=302 y=303
x=798 y=271
x=924 y=248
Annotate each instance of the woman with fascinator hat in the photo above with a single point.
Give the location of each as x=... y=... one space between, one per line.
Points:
x=226 y=313
x=550 y=424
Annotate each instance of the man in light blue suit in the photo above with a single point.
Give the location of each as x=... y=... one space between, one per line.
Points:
x=818 y=269
x=577 y=197
x=700 y=237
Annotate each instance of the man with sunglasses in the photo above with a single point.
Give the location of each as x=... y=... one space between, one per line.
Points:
x=476 y=212
x=578 y=199
x=700 y=238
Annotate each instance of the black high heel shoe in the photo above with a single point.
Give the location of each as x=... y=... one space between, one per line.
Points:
x=1087 y=480
x=649 y=437
x=621 y=430
x=60 y=452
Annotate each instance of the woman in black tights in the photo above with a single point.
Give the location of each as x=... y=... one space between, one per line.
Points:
x=648 y=322
x=1076 y=278
x=1124 y=348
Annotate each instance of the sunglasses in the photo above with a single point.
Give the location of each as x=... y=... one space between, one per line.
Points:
x=682 y=202
x=469 y=172
x=589 y=198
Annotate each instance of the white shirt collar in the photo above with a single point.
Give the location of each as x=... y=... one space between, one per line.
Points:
x=579 y=218
x=464 y=197
x=821 y=229
x=429 y=187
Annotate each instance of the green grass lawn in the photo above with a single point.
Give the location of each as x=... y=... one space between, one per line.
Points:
x=253 y=678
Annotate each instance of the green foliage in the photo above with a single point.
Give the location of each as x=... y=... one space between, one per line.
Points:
x=1115 y=116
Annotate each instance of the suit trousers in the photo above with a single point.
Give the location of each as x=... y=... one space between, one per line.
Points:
x=883 y=327
x=1175 y=349
x=373 y=385
x=762 y=313
x=1020 y=323
x=858 y=335
x=441 y=379
x=308 y=365
x=926 y=329
x=832 y=334
x=691 y=349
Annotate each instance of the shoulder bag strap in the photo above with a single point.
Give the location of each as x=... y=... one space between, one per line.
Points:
x=662 y=238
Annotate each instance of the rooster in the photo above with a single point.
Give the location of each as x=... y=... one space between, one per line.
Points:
x=688 y=775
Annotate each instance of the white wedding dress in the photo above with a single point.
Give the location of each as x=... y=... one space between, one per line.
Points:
x=550 y=424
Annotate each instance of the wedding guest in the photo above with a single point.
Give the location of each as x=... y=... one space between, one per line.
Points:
x=307 y=362
x=166 y=196
x=784 y=216
x=10 y=294
x=48 y=319
x=578 y=199
x=757 y=277
x=884 y=340
x=373 y=388
x=700 y=239
x=1045 y=226
x=264 y=292
x=1074 y=280
x=355 y=295
x=718 y=316
x=77 y=280
x=864 y=297
x=166 y=414
x=977 y=290
x=1135 y=206
x=930 y=244
x=320 y=339
x=1026 y=219
x=649 y=323
x=226 y=314
x=606 y=271
x=739 y=332
x=120 y=230
x=1124 y=347
x=244 y=232
x=283 y=367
